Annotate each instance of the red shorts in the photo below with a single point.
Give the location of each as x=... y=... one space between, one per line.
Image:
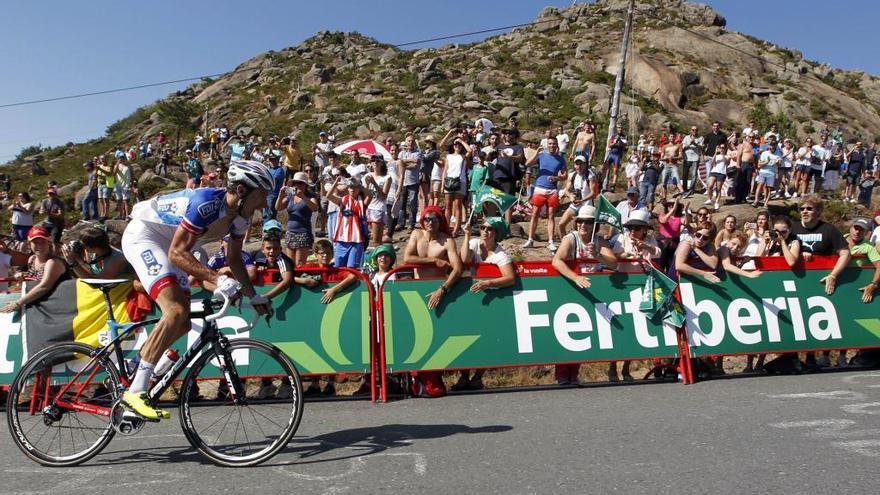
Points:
x=541 y=197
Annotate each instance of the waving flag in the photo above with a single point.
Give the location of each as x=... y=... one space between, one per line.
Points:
x=606 y=213
x=494 y=196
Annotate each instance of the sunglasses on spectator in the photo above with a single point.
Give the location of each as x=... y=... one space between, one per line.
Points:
x=702 y=214
x=782 y=232
x=806 y=208
x=486 y=228
x=432 y=219
x=700 y=235
x=581 y=221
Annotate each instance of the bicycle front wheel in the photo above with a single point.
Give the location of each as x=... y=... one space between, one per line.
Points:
x=252 y=429
x=59 y=404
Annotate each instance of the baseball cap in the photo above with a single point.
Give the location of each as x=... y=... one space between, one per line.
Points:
x=270 y=225
x=322 y=133
x=37 y=232
x=580 y=158
x=632 y=190
x=863 y=223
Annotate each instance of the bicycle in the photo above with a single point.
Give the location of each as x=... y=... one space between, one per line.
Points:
x=64 y=405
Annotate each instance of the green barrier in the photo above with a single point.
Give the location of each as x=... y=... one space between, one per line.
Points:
x=10 y=340
x=320 y=338
x=782 y=310
x=542 y=319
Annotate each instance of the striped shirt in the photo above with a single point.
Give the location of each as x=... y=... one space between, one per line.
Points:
x=350 y=221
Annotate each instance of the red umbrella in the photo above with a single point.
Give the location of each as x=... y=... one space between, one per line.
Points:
x=365 y=147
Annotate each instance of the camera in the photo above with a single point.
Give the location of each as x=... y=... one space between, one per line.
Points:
x=774 y=234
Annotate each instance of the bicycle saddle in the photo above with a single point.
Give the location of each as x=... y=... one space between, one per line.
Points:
x=98 y=283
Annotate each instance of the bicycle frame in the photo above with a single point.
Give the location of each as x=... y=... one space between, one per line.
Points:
x=209 y=335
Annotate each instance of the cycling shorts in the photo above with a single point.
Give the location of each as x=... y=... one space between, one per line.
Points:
x=146 y=247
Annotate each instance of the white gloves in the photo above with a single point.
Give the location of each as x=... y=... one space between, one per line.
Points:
x=227 y=287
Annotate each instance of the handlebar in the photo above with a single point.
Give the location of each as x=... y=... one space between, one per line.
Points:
x=220 y=309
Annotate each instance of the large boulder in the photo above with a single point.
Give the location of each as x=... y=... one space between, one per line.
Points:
x=316 y=76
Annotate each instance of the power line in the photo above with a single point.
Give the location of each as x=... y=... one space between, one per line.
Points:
x=197 y=78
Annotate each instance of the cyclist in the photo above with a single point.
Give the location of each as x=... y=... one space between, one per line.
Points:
x=159 y=243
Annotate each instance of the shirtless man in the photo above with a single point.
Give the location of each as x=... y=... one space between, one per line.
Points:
x=433 y=245
x=584 y=143
x=671 y=157
x=746 y=160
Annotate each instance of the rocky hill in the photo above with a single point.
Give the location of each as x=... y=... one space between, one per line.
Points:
x=685 y=68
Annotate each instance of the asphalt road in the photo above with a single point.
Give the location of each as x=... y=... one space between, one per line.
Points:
x=816 y=434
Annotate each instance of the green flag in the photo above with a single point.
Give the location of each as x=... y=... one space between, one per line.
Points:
x=494 y=196
x=674 y=313
x=662 y=288
x=607 y=213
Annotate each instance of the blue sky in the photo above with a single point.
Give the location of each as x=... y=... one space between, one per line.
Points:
x=54 y=48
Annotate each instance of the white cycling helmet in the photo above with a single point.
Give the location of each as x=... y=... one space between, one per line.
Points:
x=252 y=174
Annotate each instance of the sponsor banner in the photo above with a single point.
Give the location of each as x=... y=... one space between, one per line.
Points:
x=782 y=310
x=542 y=319
x=319 y=338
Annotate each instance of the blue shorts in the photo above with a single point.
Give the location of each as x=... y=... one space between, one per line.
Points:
x=613 y=158
x=350 y=254
x=766 y=177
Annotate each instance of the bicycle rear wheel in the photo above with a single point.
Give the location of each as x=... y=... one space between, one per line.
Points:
x=264 y=419
x=58 y=408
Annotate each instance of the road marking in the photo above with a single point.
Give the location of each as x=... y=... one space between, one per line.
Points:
x=832 y=395
x=420 y=465
x=857 y=379
x=868 y=448
x=828 y=428
x=862 y=408
x=355 y=465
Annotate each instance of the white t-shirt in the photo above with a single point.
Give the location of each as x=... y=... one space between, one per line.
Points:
x=357 y=170
x=563 y=141
x=875 y=236
x=498 y=258
x=22 y=218
x=376 y=203
x=455 y=166
x=719 y=165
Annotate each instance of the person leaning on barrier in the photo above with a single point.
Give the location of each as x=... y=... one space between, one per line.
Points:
x=581 y=244
x=44 y=266
x=434 y=245
x=270 y=256
x=859 y=245
x=576 y=245
x=635 y=243
x=819 y=238
x=732 y=258
x=779 y=242
x=92 y=256
x=488 y=249
x=696 y=255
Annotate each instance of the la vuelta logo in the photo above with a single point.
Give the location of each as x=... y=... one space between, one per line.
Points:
x=423 y=338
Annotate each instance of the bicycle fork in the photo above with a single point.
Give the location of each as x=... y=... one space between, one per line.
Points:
x=237 y=391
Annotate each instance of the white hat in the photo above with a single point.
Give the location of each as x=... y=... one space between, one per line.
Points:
x=580 y=158
x=587 y=212
x=638 y=217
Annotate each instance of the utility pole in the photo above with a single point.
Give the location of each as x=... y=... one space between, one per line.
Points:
x=621 y=70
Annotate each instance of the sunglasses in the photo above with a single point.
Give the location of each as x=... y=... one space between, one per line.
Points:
x=432 y=219
x=486 y=228
x=702 y=214
x=700 y=235
x=782 y=232
x=582 y=221
x=806 y=208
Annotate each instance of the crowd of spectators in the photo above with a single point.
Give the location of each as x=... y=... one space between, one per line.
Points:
x=332 y=210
